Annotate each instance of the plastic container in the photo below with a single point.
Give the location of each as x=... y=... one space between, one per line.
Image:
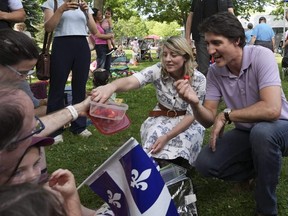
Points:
x=109 y=110
x=109 y=127
x=172 y=173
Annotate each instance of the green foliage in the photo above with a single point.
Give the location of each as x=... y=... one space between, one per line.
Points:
x=122 y=9
x=165 y=10
x=34 y=15
x=163 y=29
x=133 y=27
x=245 y=8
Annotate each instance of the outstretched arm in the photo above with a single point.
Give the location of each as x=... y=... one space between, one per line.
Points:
x=103 y=93
x=14 y=16
x=57 y=119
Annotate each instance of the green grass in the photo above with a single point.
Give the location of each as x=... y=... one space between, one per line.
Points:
x=83 y=156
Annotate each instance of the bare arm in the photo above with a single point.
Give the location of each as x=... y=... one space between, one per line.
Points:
x=179 y=128
x=273 y=43
x=63 y=181
x=188 y=27
x=268 y=108
x=57 y=119
x=14 y=16
x=110 y=22
x=231 y=10
x=90 y=21
x=253 y=39
x=103 y=93
x=104 y=36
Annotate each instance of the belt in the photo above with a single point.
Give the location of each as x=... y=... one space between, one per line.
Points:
x=166 y=112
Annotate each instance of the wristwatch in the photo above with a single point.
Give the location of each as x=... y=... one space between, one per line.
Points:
x=226 y=112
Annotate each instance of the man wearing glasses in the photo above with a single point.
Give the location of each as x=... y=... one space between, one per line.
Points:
x=20 y=129
x=40 y=105
x=17 y=57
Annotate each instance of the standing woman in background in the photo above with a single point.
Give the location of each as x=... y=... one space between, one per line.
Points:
x=101 y=44
x=70 y=51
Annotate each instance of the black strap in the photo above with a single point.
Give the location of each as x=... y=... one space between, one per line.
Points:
x=48 y=35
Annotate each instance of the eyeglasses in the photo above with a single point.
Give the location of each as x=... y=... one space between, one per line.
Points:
x=38 y=128
x=20 y=73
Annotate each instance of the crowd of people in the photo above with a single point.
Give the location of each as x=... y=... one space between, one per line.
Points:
x=244 y=77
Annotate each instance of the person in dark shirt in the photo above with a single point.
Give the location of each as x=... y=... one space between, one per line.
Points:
x=201 y=9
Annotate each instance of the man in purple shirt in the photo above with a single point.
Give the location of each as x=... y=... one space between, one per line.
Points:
x=247 y=79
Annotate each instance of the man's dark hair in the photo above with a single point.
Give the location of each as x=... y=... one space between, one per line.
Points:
x=29 y=199
x=225 y=24
x=250 y=25
x=262 y=19
x=11 y=115
x=16 y=47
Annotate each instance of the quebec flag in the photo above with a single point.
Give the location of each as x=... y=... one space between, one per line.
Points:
x=131 y=185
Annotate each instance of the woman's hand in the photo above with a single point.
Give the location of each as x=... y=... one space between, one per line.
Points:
x=68 y=6
x=186 y=92
x=111 y=35
x=102 y=93
x=83 y=6
x=159 y=144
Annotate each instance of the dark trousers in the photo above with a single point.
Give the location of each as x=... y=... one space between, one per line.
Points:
x=241 y=155
x=202 y=55
x=267 y=44
x=103 y=60
x=70 y=53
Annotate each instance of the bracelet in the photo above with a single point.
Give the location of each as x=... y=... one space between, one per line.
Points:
x=73 y=112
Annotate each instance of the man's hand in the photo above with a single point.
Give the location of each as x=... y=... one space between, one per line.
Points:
x=217 y=130
x=83 y=107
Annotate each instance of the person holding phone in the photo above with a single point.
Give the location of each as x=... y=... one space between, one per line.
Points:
x=70 y=52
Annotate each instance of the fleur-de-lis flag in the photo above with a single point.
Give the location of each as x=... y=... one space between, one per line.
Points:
x=130 y=183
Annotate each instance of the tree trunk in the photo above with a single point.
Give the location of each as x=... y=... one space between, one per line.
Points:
x=99 y=4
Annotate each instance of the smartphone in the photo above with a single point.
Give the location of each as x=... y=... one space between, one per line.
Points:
x=75 y=1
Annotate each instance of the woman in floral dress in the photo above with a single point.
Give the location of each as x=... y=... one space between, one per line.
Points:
x=171 y=131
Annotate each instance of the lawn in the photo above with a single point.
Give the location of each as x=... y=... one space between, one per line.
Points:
x=83 y=156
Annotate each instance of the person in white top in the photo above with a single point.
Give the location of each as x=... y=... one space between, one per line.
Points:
x=11 y=11
x=70 y=52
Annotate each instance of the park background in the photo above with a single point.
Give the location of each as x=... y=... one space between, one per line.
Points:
x=138 y=18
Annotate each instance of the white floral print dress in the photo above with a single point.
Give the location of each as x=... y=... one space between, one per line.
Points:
x=188 y=143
